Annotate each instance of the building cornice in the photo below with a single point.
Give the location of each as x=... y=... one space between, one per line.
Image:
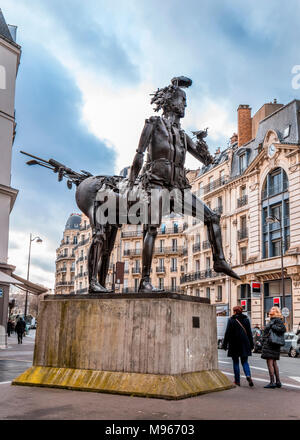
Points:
x=10 y=192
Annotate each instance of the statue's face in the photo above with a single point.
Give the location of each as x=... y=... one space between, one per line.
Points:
x=179 y=103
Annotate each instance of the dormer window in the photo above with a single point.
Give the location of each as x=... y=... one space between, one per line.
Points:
x=286 y=131
x=243 y=162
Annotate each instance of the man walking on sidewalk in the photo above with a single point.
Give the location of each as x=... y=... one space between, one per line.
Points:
x=20 y=329
x=238 y=338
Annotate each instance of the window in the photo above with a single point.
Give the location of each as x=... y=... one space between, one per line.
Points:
x=197 y=265
x=136 y=284
x=210 y=183
x=275 y=203
x=243 y=255
x=219 y=295
x=286 y=131
x=174 y=264
x=198 y=239
x=208 y=292
x=173 y=284
x=174 y=244
x=161 y=263
x=160 y=283
x=65 y=252
x=197 y=292
x=243 y=162
x=75 y=240
x=243 y=222
x=81 y=253
x=163 y=228
x=207 y=263
x=175 y=227
x=222 y=176
x=200 y=189
x=242 y=191
x=161 y=245
x=67 y=239
x=126 y=266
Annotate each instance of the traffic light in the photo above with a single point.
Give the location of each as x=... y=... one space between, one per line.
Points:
x=244 y=304
x=276 y=302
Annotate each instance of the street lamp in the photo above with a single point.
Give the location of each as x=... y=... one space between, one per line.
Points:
x=274 y=219
x=38 y=240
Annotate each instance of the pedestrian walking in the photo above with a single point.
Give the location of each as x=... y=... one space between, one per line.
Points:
x=9 y=327
x=239 y=341
x=20 y=328
x=272 y=340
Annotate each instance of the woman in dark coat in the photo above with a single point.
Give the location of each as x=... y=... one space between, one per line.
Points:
x=238 y=338
x=270 y=351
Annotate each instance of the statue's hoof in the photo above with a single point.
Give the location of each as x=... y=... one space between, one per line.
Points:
x=97 y=288
x=222 y=266
x=146 y=287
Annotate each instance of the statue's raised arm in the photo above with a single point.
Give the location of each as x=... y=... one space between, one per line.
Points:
x=200 y=149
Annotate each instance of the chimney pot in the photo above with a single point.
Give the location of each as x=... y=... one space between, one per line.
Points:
x=244 y=124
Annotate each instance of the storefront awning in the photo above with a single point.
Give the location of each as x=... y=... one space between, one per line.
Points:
x=21 y=283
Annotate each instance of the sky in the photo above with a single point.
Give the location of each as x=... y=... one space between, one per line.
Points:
x=88 y=68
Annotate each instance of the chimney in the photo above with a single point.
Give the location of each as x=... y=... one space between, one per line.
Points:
x=244 y=124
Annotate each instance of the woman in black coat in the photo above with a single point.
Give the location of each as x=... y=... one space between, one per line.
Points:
x=238 y=338
x=270 y=351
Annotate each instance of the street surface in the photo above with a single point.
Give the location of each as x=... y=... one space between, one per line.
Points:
x=257 y=403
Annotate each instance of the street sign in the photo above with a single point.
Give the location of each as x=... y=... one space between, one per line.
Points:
x=1 y=293
x=255 y=289
x=285 y=312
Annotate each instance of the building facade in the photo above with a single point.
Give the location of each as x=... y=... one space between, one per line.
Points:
x=255 y=179
x=65 y=256
x=10 y=53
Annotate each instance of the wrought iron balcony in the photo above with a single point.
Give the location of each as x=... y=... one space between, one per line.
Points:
x=160 y=269
x=196 y=247
x=242 y=201
x=132 y=252
x=242 y=234
x=206 y=244
x=214 y=185
x=201 y=275
x=136 y=270
x=174 y=269
x=168 y=250
x=65 y=283
x=62 y=269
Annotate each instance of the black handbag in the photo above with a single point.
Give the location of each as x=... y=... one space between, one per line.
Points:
x=276 y=339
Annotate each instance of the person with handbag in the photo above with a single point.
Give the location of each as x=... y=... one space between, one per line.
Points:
x=239 y=340
x=272 y=340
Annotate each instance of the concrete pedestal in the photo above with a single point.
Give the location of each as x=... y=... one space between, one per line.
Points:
x=159 y=345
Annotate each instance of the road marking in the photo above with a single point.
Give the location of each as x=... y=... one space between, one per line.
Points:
x=2 y=383
x=265 y=380
x=295 y=378
x=14 y=360
x=251 y=366
x=259 y=368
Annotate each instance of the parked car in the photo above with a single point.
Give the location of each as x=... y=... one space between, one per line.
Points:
x=292 y=344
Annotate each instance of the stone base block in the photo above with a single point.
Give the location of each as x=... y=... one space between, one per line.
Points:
x=177 y=386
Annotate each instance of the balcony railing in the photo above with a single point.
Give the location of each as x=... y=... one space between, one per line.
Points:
x=242 y=234
x=65 y=283
x=174 y=269
x=196 y=247
x=79 y=259
x=128 y=234
x=62 y=269
x=169 y=250
x=136 y=270
x=201 y=275
x=242 y=201
x=63 y=256
x=213 y=185
x=160 y=269
x=205 y=244
x=132 y=252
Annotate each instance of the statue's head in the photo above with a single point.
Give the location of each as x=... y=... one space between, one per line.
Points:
x=172 y=99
